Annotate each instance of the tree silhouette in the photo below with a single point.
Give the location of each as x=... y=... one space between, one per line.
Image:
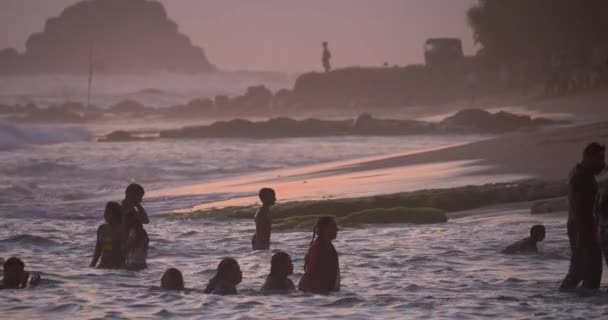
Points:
x=511 y=31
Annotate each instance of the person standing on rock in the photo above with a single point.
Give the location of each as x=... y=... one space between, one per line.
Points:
x=326 y=57
x=586 y=259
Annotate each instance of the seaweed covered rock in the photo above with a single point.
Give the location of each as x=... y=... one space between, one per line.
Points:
x=482 y=121
x=394 y=215
x=550 y=206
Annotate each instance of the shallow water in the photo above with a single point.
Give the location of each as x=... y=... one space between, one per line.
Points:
x=444 y=271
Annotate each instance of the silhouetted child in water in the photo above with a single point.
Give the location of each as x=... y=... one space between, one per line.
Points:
x=136 y=246
x=321 y=265
x=15 y=276
x=227 y=277
x=281 y=268
x=528 y=245
x=172 y=279
x=132 y=203
x=263 y=221
x=110 y=239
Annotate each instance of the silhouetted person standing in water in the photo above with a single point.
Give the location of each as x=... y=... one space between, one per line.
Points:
x=321 y=264
x=326 y=57
x=586 y=259
x=263 y=221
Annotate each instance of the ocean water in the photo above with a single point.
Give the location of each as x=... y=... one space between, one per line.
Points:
x=446 y=271
x=54 y=182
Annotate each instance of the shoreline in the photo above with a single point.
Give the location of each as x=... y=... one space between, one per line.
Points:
x=538 y=160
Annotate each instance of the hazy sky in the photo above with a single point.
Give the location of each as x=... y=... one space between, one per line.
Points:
x=284 y=35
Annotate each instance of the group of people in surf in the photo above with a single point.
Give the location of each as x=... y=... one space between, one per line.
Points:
x=122 y=242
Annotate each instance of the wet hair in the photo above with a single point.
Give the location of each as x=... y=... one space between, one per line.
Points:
x=537 y=231
x=593 y=149
x=115 y=212
x=222 y=269
x=13 y=262
x=276 y=260
x=134 y=189
x=321 y=223
x=265 y=193
x=172 y=279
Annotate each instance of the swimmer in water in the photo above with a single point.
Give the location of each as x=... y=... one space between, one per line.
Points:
x=263 y=221
x=15 y=276
x=281 y=268
x=529 y=244
x=172 y=279
x=321 y=264
x=110 y=239
x=227 y=277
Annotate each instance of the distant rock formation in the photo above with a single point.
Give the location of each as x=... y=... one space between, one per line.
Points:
x=126 y=36
x=467 y=121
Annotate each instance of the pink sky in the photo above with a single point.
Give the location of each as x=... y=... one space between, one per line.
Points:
x=285 y=35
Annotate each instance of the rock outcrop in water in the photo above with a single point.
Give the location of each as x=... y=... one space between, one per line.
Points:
x=365 y=125
x=125 y=36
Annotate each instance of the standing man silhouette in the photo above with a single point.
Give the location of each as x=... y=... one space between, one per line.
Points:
x=326 y=57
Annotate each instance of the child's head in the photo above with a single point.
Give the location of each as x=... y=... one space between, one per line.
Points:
x=172 y=279
x=230 y=271
x=326 y=228
x=281 y=265
x=537 y=233
x=268 y=196
x=113 y=213
x=134 y=193
x=14 y=271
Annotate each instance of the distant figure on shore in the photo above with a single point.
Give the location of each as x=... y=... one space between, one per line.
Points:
x=15 y=276
x=134 y=195
x=110 y=239
x=321 y=264
x=586 y=259
x=263 y=220
x=172 y=279
x=227 y=277
x=326 y=57
x=529 y=244
x=281 y=268
x=136 y=247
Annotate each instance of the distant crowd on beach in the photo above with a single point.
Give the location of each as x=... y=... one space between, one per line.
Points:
x=122 y=242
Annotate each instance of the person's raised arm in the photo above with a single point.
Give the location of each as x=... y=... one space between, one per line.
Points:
x=142 y=215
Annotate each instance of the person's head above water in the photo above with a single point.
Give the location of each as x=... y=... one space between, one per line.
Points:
x=134 y=193
x=594 y=157
x=281 y=265
x=229 y=270
x=14 y=272
x=537 y=233
x=113 y=213
x=326 y=229
x=267 y=196
x=172 y=279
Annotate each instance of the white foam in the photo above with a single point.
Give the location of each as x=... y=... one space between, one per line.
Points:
x=17 y=136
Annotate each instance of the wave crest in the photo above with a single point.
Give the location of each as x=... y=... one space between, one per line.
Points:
x=17 y=136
